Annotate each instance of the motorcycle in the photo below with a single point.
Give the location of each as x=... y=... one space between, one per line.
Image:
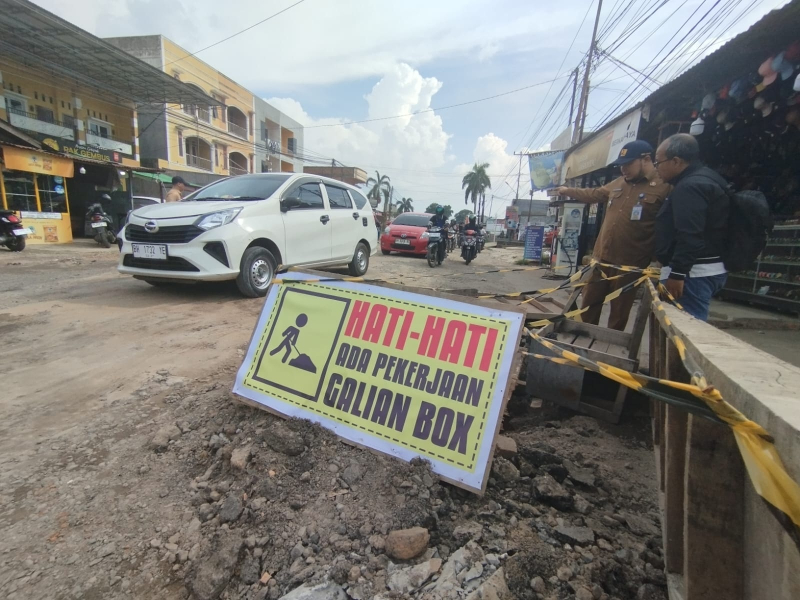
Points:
x=469 y=249
x=434 y=241
x=481 y=241
x=12 y=233
x=451 y=240
x=103 y=226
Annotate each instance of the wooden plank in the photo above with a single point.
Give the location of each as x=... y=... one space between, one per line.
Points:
x=713 y=552
x=600 y=346
x=583 y=341
x=618 y=360
x=638 y=327
x=620 y=338
x=567 y=338
x=674 y=468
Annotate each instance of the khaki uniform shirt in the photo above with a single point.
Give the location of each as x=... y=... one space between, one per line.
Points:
x=174 y=195
x=623 y=240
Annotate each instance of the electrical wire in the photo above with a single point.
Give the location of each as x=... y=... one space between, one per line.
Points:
x=217 y=43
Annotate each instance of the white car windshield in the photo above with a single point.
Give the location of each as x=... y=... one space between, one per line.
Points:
x=243 y=187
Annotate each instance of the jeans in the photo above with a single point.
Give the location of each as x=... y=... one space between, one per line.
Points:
x=697 y=294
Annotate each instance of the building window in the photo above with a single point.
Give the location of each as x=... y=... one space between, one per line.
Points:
x=35 y=95
x=20 y=190
x=51 y=193
x=62 y=104
x=45 y=114
x=69 y=121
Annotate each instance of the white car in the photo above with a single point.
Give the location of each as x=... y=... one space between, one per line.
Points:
x=245 y=227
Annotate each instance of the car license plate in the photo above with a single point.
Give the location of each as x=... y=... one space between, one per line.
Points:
x=155 y=251
x=96 y=225
x=23 y=231
x=402 y=242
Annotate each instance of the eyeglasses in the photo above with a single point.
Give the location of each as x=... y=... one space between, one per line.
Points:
x=658 y=162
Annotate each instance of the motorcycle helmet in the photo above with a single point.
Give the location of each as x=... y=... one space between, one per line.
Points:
x=472 y=219
x=439 y=209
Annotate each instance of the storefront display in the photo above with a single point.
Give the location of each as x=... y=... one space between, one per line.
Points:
x=34 y=183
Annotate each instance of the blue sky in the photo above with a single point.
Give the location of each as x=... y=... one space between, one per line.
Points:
x=329 y=62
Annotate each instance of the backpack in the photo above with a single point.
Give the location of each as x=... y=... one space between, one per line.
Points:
x=749 y=227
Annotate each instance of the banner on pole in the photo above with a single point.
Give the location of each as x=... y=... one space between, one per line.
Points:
x=402 y=373
x=545 y=169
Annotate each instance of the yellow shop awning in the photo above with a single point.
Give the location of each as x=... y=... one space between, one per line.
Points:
x=18 y=159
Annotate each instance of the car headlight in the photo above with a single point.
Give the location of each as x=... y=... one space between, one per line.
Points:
x=424 y=236
x=218 y=219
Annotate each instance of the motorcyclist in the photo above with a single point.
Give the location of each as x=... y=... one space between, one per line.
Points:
x=472 y=225
x=438 y=220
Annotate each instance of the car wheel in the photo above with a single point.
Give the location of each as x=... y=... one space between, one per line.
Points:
x=385 y=252
x=256 y=271
x=360 y=263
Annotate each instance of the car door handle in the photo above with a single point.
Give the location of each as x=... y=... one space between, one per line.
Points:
x=324 y=219
x=355 y=216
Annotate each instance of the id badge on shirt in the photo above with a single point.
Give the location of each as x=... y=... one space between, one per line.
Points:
x=636 y=213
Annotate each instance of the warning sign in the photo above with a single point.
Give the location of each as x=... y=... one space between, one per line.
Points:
x=405 y=374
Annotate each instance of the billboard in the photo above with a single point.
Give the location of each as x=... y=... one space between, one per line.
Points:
x=545 y=169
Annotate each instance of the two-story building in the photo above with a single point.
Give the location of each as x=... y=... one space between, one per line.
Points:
x=201 y=142
x=75 y=97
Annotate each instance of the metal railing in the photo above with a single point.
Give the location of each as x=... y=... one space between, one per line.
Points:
x=32 y=115
x=198 y=161
x=237 y=130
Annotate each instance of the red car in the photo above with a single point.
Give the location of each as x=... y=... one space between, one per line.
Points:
x=407 y=233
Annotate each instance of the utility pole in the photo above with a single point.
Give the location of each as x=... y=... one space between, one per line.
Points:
x=574 y=93
x=577 y=135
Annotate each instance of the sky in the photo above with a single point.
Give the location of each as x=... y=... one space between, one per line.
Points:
x=327 y=63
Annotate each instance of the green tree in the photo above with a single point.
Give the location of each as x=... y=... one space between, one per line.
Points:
x=475 y=184
x=405 y=205
x=380 y=185
x=461 y=216
x=448 y=210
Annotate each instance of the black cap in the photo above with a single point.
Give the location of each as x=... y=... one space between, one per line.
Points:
x=177 y=179
x=633 y=150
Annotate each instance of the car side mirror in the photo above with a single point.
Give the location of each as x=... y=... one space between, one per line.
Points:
x=289 y=203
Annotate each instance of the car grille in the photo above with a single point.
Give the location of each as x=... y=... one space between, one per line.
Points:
x=175 y=234
x=172 y=263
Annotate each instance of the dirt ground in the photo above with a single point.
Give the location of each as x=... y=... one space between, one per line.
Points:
x=128 y=470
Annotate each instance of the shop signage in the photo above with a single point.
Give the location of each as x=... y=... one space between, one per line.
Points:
x=39 y=215
x=18 y=159
x=534 y=239
x=604 y=148
x=79 y=151
x=545 y=169
x=404 y=374
x=569 y=236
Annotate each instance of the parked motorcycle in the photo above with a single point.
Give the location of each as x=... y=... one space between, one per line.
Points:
x=12 y=233
x=481 y=241
x=434 y=241
x=469 y=249
x=102 y=225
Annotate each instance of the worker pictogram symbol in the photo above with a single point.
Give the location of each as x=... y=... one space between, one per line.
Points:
x=289 y=343
x=304 y=333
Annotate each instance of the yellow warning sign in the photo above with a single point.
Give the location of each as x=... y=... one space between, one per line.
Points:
x=405 y=374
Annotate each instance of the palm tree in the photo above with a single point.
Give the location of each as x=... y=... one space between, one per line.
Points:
x=380 y=185
x=405 y=205
x=475 y=184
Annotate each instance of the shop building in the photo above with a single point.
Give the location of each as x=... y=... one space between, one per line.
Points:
x=70 y=124
x=279 y=142
x=201 y=142
x=742 y=104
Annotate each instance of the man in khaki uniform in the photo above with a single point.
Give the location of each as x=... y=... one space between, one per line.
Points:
x=627 y=236
x=176 y=193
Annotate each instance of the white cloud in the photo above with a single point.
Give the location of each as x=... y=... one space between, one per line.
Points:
x=408 y=149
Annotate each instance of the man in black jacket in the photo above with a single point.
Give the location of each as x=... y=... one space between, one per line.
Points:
x=692 y=225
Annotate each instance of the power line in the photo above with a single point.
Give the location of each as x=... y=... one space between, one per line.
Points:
x=237 y=33
x=427 y=110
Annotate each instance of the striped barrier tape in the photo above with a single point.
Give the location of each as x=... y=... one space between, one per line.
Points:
x=756 y=446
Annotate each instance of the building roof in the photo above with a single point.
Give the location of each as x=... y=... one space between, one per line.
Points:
x=745 y=52
x=40 y=40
